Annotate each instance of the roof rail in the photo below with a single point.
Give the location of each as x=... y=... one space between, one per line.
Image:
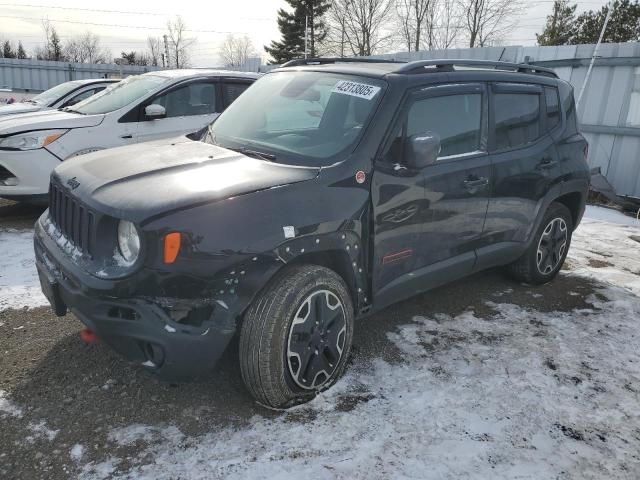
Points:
x=448 y=64
x=298 y=62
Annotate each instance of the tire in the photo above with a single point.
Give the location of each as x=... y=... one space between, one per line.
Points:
x=538 y=267
x=279 y=361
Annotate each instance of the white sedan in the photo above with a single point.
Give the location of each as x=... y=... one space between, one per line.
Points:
x=145 y=107
x=63 y=95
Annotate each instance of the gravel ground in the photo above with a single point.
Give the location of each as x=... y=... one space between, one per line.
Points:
x=76 y=393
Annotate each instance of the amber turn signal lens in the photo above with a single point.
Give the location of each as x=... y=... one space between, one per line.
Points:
x=171 y=247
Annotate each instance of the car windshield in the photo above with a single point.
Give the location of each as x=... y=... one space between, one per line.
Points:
x=307 y=118
x=49 y=97
x=121 y=94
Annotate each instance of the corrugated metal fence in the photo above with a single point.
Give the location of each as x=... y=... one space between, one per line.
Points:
x=40 y=75
x=609 y=112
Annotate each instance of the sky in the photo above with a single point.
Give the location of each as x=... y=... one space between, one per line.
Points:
x=125 y=25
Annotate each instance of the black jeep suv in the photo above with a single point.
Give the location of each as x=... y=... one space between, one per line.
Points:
x=327 y=191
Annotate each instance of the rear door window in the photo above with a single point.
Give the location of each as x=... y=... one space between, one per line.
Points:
x=517 y=119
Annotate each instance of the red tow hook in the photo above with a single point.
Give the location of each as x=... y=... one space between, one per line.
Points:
x=88 y=336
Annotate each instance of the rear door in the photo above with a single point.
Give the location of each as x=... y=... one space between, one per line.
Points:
x=524 y=157
x=189 y=108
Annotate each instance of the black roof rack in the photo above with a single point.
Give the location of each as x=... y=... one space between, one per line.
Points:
x=298 y=62
x=448 y=64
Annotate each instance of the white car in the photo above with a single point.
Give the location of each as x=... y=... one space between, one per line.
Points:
x=145 y=107
x=63 y=95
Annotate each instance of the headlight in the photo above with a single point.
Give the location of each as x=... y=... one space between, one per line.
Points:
x=128 y=241
x=31 y=140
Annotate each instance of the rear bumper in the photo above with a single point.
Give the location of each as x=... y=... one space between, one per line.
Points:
x=29 y=172
x=139 y=329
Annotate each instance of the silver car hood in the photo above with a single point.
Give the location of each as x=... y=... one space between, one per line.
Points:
x=15 y=108
x=46 y=120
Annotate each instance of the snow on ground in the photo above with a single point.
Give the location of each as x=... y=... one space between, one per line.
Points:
x=7 y=407
x=606 y=247
x=517 y=394
x=19 y=284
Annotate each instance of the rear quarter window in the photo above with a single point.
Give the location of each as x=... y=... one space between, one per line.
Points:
x=552 y=100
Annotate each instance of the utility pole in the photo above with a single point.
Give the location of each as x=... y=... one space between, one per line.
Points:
x=306 y=34
x=595 y=53
x=166 y=50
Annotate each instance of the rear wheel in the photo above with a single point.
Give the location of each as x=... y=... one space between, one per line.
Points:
x=545 y=256
x=296 y=336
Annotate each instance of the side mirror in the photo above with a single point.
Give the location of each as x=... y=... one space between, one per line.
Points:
x=155 y=112
x=422 y=149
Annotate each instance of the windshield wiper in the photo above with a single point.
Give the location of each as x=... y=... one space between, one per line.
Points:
x=255 y=154
x=69 y=109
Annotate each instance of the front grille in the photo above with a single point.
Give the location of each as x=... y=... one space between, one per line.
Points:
x=74 y=220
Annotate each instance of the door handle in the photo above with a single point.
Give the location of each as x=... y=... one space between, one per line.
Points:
x=475 y=183
x=126 y=136
x=547 y=163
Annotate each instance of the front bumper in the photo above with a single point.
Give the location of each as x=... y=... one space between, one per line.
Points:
x=138 y=328
x=31 y=168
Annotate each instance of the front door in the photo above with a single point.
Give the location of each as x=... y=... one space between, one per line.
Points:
x=428 y=222
x=189 y=108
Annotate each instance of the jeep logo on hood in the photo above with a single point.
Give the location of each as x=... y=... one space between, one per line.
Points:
x=73 y=183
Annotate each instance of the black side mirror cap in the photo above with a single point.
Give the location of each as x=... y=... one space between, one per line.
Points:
x=422 y=149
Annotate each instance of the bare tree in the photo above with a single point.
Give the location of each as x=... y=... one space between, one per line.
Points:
x=363 y=26
x=235 y=51
x=487 y=20
x=155 y=51
x=442 y=25
x=179 y=44
x=412 y=16
x=86 y=48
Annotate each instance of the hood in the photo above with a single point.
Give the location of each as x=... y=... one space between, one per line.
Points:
x=143 y=181
x=19 y=108
x=45 y=120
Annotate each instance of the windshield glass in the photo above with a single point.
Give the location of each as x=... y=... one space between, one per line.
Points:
x=304 y=118
x=121 y=94
x=49 y=97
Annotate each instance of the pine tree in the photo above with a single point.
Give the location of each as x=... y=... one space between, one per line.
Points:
x=560 y=25
x=7 y=51
x=55 y=52
x=624 y=24
x=292 y=27
x=21 y=53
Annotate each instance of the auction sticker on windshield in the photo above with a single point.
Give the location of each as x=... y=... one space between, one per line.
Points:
x=361 y=90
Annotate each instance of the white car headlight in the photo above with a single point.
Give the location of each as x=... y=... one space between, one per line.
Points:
x=128 y=241
x=32 y=140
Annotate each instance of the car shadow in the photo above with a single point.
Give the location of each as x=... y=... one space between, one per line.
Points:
x=19 y=215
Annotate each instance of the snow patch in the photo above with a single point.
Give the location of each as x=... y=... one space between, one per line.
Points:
x=40 y=430
x=19 y=283
x=77 y=452
x=8 y=408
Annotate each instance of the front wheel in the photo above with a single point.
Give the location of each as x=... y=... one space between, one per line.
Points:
x=296 y=336
x=545 y=256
